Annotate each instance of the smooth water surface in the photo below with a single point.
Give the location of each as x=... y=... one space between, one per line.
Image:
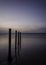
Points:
x=29 y=44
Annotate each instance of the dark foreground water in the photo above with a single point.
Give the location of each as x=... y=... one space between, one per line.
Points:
x=33 y=49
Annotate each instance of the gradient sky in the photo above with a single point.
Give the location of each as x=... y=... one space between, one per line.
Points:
x=24 y=15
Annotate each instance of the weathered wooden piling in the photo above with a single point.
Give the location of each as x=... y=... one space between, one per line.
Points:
x=15 y=43
x=9 y=51
x=18 y=43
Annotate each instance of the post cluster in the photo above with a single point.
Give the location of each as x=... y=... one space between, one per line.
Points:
x=17 y=43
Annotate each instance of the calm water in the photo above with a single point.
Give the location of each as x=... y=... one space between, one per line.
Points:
x=29 y=44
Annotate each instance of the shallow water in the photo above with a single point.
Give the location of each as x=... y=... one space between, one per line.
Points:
x=29 y=44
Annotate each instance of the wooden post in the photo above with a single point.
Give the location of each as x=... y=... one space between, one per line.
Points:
x=15 y=43
x=18 y=43
x=9 y=51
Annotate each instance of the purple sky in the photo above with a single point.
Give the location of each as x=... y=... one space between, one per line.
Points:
x=24 y=15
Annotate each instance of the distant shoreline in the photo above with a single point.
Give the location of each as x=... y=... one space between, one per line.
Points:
x=22 y=33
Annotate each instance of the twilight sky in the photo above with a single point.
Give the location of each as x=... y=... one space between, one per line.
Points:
x=24 y=15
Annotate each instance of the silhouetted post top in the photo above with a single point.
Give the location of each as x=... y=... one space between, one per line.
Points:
x=16 y=31
x=9 y=28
